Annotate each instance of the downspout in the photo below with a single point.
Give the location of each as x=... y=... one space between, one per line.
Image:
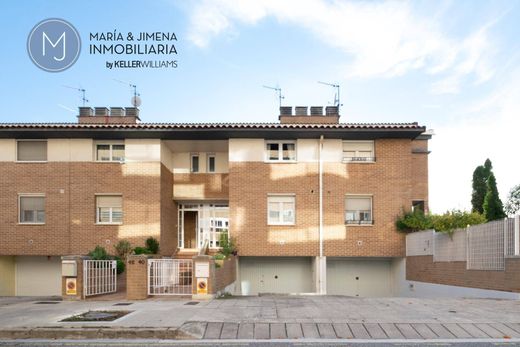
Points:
x=321 y=274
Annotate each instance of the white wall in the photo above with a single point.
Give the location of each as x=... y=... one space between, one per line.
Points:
x=182 y=162
x=7 y=150
x=70 y=150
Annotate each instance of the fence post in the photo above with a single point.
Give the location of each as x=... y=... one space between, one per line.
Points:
x=506 y=237
x=517 y=234
x=467 y=248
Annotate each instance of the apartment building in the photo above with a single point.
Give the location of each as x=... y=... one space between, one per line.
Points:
x=311 y=202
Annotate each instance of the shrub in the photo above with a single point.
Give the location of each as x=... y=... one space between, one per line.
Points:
x=99 y=253
x=141 y=250
x=120 y=265
x=152 y=245
x=227 y=245
x=447 y=222
x=123 y=249
x=219 y=256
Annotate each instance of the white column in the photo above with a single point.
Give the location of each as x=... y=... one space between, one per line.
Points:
x=517 y=235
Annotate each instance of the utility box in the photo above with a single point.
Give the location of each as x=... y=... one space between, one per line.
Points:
x=69 y=268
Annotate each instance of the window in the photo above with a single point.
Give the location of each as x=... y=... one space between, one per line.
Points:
x=418 y=205
x=32 y=209
x=109 y=209
x=280 y=151
x=211 y=163
x=358 y=209
x=280 y=210
x=194 y=163
x=362 y=151
x=31 y=151
x=110 y=152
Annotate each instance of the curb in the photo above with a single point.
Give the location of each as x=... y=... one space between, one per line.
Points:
x=96 y=333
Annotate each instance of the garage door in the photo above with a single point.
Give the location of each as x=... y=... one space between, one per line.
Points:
x=275 y=275
x=359 y=277
x=38 y=276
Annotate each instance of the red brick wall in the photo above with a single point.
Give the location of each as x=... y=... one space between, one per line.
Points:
x=225 y=274
x=423 y=269
x=70 y=226
x=390 y=180
x=168 y=243
x=200 y=186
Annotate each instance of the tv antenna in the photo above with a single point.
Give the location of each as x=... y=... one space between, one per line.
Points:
x=82 y=91
x=278 y=90
x=337 y=101
x=135 y=100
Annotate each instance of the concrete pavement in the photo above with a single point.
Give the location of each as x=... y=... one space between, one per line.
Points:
x=270 y=317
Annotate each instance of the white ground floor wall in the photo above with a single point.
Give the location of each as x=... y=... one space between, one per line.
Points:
x=30 y=276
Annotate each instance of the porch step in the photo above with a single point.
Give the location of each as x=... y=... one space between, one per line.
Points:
x=185 y=253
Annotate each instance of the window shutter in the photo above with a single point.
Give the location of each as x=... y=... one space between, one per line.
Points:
x=32 y=203
x=32 y=151
x=109 y=201
x=358 y=204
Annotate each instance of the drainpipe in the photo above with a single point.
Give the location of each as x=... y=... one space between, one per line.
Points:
x=321 y=263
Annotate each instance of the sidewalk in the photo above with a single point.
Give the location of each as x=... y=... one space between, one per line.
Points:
x=270 y=317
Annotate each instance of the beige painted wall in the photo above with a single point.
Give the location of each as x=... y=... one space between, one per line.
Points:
x=181 y=162
x=69 y=150
x=307 y=150
x=142 y=150
x=7 y=276
x=7 y=150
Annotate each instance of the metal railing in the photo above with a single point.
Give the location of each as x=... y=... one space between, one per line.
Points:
x=359 y=159
x=99 y=277
x=170 y=276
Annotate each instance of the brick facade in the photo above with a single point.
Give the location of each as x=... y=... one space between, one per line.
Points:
x=70 y=190
x=394 y=180
x=424 y=269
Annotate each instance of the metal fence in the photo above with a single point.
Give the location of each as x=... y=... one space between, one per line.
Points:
x=99 y=277
x=483 y=247
x=170 y=276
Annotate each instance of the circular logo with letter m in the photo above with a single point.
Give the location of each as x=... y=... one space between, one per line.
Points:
x=54 y=45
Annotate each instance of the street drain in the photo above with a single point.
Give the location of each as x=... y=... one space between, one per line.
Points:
x=46 y=302
x=97 y=316
x=192 y=303
x=122 y=304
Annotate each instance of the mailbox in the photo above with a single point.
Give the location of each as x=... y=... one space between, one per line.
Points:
x=69 y=268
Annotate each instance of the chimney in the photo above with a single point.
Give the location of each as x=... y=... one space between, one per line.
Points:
x=316 y=116
x=103 y=115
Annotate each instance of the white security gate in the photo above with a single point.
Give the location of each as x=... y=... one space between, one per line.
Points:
x=170 y=276
x=99 y=277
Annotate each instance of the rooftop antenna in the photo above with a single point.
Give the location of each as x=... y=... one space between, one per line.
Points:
x=279 y=92
x=82 y=91
x=337 y=101
x=135 y=100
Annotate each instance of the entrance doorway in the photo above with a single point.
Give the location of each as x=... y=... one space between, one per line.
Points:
x=202 y=222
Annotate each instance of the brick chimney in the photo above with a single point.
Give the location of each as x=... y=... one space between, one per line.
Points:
x=316 y=116
x=103 y=115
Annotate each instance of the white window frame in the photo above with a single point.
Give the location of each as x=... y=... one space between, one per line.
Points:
x=111 y=156
x=356 y=158
x=280 y=221
x=208 y=156
x=98 y=222
x=368 y=196
x=31 y=195
x=32 y=161
x=192 y=155
x=280 y=151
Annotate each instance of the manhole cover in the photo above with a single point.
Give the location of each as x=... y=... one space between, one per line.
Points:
x=46 y=302
x=122 y=304
x=192 y=303
x=99 y=315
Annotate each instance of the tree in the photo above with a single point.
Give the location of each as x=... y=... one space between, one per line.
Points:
x=480 y=176
x=493 y=208
x=513 y=201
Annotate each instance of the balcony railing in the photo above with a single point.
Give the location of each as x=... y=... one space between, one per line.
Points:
x=359 y=222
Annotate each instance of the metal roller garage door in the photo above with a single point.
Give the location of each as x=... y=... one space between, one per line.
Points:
x=38 y=276
x=275 y=275
x=359 y=277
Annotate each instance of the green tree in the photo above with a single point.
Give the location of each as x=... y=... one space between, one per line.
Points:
x=513 y=201
x=493 y=208
x=479 y=189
